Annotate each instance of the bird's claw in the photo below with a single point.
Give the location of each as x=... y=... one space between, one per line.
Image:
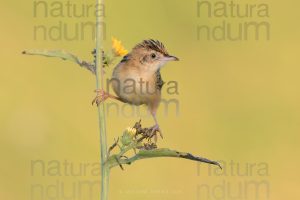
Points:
x=154 y=130
x=100 y=97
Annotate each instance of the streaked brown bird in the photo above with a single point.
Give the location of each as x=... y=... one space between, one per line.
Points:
x=137 y=80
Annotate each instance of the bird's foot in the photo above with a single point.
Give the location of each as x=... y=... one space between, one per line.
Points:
x=100 y=97
x=154 y=130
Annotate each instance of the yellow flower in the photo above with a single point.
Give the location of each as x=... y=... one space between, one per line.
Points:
x=118 y=48
x=131 y=131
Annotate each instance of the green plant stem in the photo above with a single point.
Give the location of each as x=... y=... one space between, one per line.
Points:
x=101 y=114
x=116 y=160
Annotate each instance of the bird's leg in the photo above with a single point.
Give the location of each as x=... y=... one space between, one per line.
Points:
x=102 y=96
x=156 y=127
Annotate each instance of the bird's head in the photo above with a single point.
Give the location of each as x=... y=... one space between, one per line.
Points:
x=151 y=55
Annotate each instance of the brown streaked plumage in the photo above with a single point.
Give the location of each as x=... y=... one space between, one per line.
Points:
x=154 y=45
x=137 y=80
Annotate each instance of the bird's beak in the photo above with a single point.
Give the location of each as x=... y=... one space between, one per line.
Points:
x=170 y=58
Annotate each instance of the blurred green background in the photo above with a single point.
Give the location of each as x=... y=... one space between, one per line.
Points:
x=239 y=101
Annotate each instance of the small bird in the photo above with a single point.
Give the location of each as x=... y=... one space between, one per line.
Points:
x=137 y=80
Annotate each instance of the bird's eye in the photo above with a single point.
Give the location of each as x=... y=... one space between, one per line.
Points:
x=153 y=55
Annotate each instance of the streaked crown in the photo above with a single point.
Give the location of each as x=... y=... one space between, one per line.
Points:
x=153 y=45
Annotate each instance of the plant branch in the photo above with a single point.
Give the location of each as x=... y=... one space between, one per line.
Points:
x=101 y=114
x=139 y=140
x=115 y=160
x=63 y=55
